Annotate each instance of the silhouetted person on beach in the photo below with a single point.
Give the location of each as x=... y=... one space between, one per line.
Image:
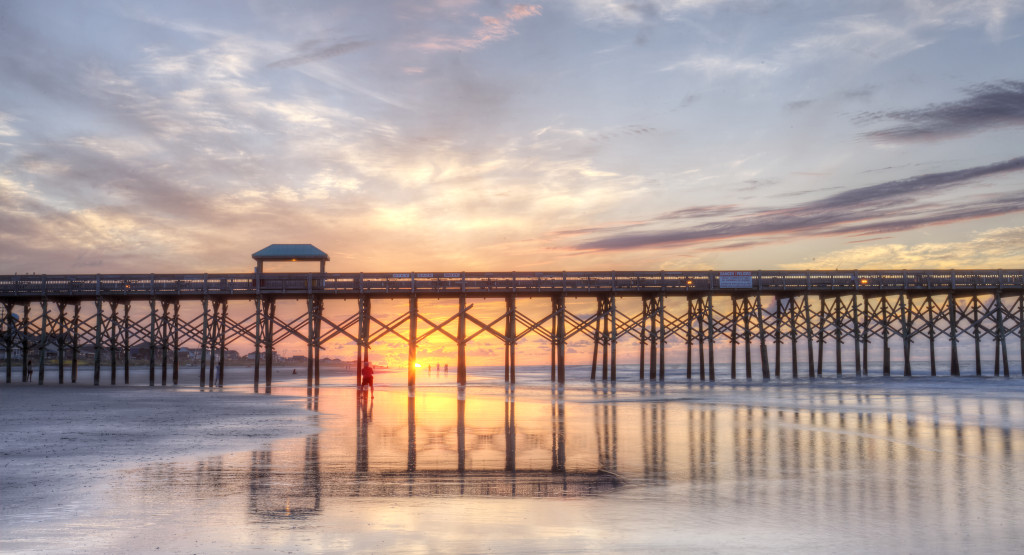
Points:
x=30 y=370
x=368 y=377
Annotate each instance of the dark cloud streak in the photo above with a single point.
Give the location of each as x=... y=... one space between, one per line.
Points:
x=989 y=106
x=873 y=209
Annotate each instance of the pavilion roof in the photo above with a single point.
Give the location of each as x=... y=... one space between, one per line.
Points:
x=290 y=252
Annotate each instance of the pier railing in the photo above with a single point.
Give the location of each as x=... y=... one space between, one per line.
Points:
x=484 y=284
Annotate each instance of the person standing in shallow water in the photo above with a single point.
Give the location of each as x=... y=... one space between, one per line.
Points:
x=367 y=375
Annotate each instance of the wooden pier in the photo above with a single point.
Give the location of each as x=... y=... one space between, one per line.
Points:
x=760 y=312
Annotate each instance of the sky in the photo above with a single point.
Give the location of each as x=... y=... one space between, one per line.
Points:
x=463 y=135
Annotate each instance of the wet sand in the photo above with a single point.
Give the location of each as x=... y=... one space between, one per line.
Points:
x=873 y=465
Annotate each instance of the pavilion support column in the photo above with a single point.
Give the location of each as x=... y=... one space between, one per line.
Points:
x=866 y=334
x=204 y=342
x=933 y=313
x=791 y=318
x=605 y=325
x=309 y=340
x=976 y=322
x=778 y=337
x=319 y=306
x=1000 y=336
x=746 y=338
x=269 y=310
x=653 y=337
x=461 y=340
x=597 y=341
x=257 y=343
x=821 y=312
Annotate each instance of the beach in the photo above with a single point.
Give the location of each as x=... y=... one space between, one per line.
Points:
x=868 y=465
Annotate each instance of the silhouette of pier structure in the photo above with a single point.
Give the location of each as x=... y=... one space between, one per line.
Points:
x=756 y=313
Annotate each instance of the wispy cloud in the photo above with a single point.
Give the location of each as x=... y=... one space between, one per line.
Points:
x=490 y=29
x=316 y=53
x=885 y=207
x=996 y=248
x=988 y=106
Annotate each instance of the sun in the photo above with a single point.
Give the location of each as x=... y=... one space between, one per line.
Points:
x=416 y=365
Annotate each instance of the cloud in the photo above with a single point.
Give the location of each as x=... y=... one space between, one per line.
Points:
x=490 y=29
x=995 y=248
x=319 y=54
x=988 y=106
x=894 y=205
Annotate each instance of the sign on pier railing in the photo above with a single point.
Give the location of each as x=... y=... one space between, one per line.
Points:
x=736 y=280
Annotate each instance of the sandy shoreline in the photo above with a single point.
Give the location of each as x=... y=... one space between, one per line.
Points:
x=58 y=446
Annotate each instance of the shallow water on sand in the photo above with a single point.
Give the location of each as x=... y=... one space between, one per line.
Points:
x=865 y=465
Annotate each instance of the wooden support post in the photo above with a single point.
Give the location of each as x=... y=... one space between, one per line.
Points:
x=152 y=341
x=510 y=334
x=977 y=335
x=856 y=335
x=766 y=373
x=711 y=338
x=309 y=337
x=866 y=334
x=223 y=341
x=644 y=308
x=560 y=337
x=932 y=314
x=113 y=341
x=97 y=345
x=746 y=337
x=461 y=338
x=689 y=337
x=25 y=353
x=732 y=340
x=954 y=327
x=597 y=341
x=701 y=316
x=413 y=317
x=319 y=305
x=615 y=334
x=791 y=319
x=164 y=333
x=204 y=342
x=126 y=347
x=778 y=337
x=176 y=341
x=1020 y=329
x=44 y=338
x=838 y=327
x=61 y=339
x=652 y=337
x=75 y=327
x=822 y=315
x=1000 y=336
x=905 y=333
x=8 y=339
x=661 y=337
x=605 y=324
x=809 y=332
x=886 y=360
